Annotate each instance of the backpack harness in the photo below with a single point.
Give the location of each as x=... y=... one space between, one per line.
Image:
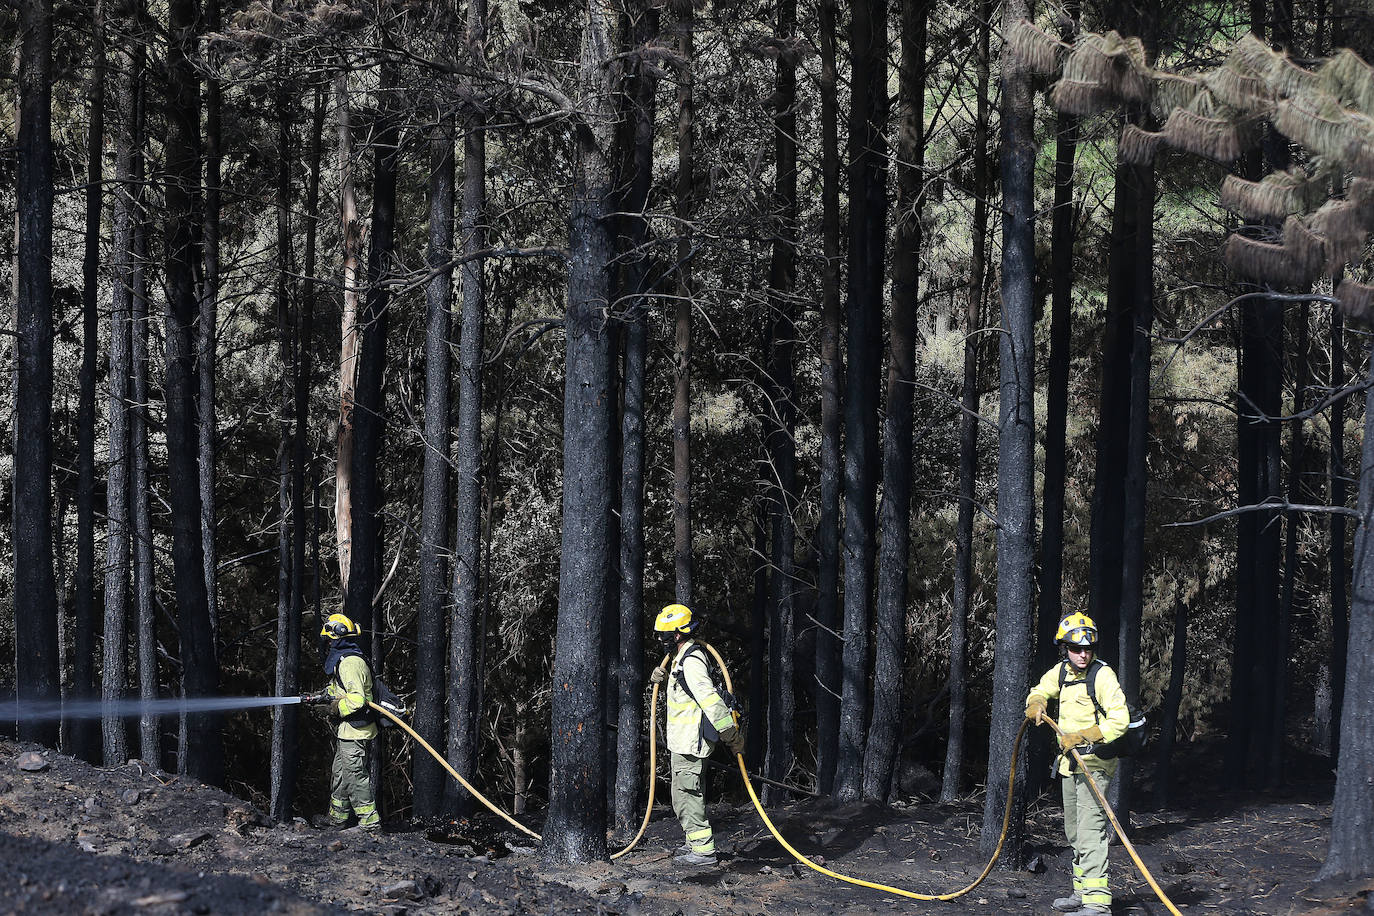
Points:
x=708 y=730
x=1128 y=744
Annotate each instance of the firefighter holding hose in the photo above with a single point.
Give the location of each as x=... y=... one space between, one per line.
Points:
x=350 y=690
x=699 y=718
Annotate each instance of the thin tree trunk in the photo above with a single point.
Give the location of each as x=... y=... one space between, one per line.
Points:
x=114 y=741
x=352 y=229
x=207 y=333
x=35 y=621
x=1015 y=451
x=968 y=427
x=1351 y=853
x=754 y=738
x=427 y=776
x=828 y=659
x=894 y=522
x=200 y=673
x=150 y=740
x=84 y=742
x=1340 y=615
x=1169 y=707
x=682 y=324
x=576 y=827
x=639 y=161
x=286 y=681
x=465 y=655
x=867 y=215
x=369 y=416
x=782 y=412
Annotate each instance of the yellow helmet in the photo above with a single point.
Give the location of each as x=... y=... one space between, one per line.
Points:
x=338 y=626
x=675 y=618
x=1077 y=630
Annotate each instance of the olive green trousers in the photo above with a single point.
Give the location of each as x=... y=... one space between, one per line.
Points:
x=1088 y=831
x=689 y=804
x=350 y=786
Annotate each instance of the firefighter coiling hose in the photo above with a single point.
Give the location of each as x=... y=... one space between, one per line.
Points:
x=758 y=806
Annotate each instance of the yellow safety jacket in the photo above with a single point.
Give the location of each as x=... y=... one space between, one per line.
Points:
x=685 y=714
x=1076 y=711
x=352 y=686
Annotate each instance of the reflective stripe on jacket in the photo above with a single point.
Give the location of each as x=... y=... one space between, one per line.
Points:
x=352 y=686
x=684 y=713
x=1076 y=710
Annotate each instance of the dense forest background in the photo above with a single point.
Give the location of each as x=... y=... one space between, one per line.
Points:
x=500 y=325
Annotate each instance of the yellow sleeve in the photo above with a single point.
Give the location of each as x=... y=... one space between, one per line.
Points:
x=698 y=678
x=1112 y=699
x=1048 y=688
x=356 y=678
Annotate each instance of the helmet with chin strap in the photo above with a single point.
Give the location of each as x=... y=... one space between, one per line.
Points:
x=338 y=626
x=675 y=618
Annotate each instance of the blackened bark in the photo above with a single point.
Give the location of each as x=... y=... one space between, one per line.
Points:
x=1351 y=853
x=426 y=774
x=207 y=337
x=1340 y=614
x=758 y=629
x=114 y=741
x=287 y=671
x=828 y=663
x=35 y=621
x=1140 y=252
x=682 y=323
x=867 y=235
x=781 y=444
x=369 y=418
x=466 y=624
x=150 y=741
x=200 y=673
x=639 y=161
x=968 y=427
x=1168 y=708
x=576 y=827
x=894 y=522
x=1015 y=451
x=1062 y=236
x=85 y=744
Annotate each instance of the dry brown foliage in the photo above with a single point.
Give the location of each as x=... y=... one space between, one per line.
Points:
x=1242 y=91
x=1278 y=195
x=1348 y=77
x=1357 y=300
x=1036 y=49
x=1339 y=221
x=1079 y=98
x=1219 y=139
x=1263 y=262
x=1304 y=247
x=1172 y=91
x=1139 y=146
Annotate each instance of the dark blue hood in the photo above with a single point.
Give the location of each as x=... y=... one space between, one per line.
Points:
x=339 y=649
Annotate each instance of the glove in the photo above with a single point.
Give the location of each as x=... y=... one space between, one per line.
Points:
x=1090 y=735
x=733 y=738
x=658 y=676
x=1035 y=708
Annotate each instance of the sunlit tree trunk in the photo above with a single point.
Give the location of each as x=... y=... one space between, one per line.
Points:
x=352 y=240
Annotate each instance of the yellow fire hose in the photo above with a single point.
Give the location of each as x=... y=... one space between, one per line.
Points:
x=1116 y=824
x=758 y=806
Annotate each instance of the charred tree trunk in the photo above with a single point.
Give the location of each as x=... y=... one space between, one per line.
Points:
x=642 y=84
x=352 y=235
x=287 y=673
x=782 y=449
x=207 y=333
x=576 y=827
x=466 y=623
x=1168 y=709
x=1015 y=450
x=369 y=417
x=114 y=741
x=682 y=325
x=880 y=758
x=35 y=622
x=83 y=731
x=828 y=658
x=867 y=236
x=200 y=671
x=1351 y=853
x=968 y=427
x=1340 y=615
x=427 y=776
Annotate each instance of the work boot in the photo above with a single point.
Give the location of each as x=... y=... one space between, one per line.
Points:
x=1068 y=904
x=695 y=859
x=1092 y=909
x=325 y=822
x=683 y=849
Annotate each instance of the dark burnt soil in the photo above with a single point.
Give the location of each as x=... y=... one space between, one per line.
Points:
x=78 y=839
